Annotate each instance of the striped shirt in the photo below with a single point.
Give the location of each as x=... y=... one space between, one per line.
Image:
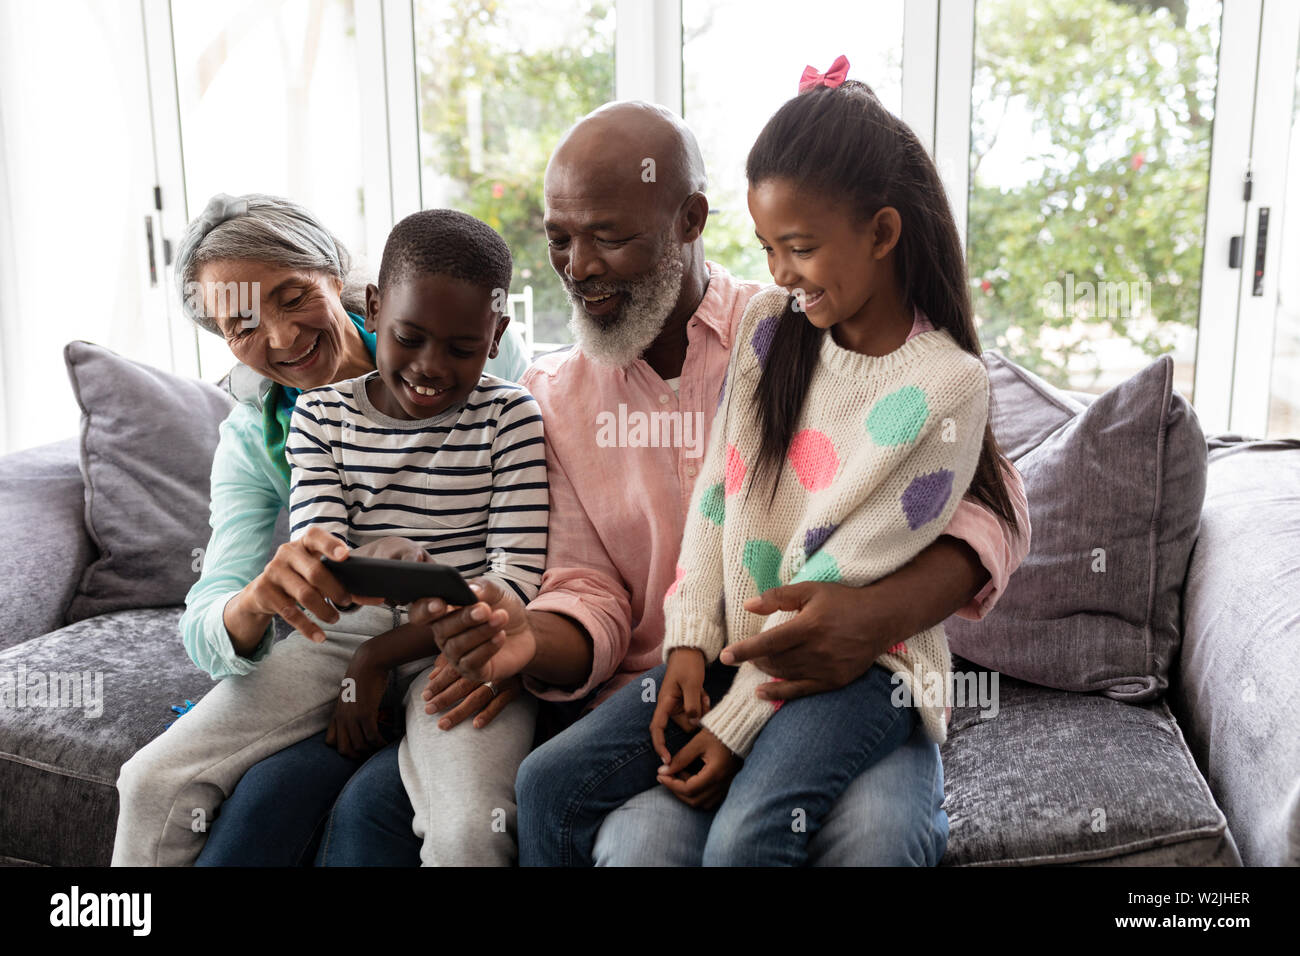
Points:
x=469 y=485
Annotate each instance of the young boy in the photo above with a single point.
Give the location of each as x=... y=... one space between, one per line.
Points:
x=425 y=459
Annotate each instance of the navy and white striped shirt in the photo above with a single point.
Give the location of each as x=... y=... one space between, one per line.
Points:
x=469 y=484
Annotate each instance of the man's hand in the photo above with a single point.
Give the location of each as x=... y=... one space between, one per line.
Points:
x=354 y=728
x=486 y=641
x=707 y=787
x=834 y=638
x=681 y=697
x=466 y=697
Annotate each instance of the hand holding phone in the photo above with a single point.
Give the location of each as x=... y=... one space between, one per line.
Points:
x=400 y=582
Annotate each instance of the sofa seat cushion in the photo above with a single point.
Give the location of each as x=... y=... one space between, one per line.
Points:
x=59 y=764
x=1055 y=777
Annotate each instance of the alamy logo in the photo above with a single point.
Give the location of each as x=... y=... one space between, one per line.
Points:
x=230 y=299
x=21 y=688
x=102 y=909
x=651 y=430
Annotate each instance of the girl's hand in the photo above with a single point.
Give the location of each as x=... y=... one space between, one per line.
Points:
x=707 y=787
x=354 y=728
x=681 y=698
x=294 y=579
x=448 y=689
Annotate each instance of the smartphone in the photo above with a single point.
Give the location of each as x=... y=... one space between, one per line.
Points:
x=400 y=582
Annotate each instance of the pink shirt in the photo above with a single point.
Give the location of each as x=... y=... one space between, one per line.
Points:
x=619 y=497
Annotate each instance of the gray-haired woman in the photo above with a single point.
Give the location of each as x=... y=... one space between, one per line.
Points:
x=267 y=276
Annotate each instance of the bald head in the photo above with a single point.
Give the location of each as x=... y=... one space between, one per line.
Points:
x=632 y=144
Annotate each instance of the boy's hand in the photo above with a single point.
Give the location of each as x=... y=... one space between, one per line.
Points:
x=707 y=787
x=489 y=640
x=681 y=698
x=393 y=548
x=466 y=697
x=354 y=728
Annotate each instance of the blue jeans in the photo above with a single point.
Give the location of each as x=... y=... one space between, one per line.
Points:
x=371 y=823
x=277 y=812
x=806 y=756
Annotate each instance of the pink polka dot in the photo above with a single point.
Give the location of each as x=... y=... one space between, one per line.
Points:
x=813 y=457
x=735 y=470
x=672 y=588
x=899 y=648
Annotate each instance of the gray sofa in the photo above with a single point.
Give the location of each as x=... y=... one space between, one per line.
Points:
x=1203 y=771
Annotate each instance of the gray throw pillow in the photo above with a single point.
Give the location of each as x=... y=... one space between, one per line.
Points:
x=147 y=441
x=1115 y=491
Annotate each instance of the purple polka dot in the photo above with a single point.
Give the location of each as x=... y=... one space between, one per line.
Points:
x=925 y=497
x=764 y=333
x=814 y=538
x=722 y=391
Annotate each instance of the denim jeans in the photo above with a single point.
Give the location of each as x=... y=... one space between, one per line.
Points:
x=806 y=756
x=371 y=823
x=277 y=811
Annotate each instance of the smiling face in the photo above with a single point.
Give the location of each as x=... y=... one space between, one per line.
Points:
x=843 y=267
x=302 y=338
x=434 y=335
x=621 y=231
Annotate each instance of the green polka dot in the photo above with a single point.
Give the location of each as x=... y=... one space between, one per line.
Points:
x=820 y=567
x=762 y=560
x=713 y=506
x=897 y=418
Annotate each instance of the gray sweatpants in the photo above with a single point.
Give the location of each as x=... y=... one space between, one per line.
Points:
x=171 y=789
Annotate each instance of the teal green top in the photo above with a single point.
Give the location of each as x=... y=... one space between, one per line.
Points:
x=278 y=406
x=249 y=489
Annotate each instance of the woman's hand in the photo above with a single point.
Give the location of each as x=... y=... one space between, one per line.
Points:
x=681 y=697
x=354 y=728
x=466 y=697
x=293 y=579
x=707 y=787
x=489 y=640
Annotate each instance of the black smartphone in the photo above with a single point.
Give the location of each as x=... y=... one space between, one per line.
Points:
x=400 y=582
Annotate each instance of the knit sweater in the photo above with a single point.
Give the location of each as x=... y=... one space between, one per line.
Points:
x=883 y=452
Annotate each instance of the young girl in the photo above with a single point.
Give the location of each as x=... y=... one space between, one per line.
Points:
x=854 y=419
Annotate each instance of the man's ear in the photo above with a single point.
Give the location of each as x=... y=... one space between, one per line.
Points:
x=502 y=321
x=693 y=214
x=886 y=229
x=372 y=307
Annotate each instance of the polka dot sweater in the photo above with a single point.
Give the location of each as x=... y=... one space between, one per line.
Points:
x=883 y=452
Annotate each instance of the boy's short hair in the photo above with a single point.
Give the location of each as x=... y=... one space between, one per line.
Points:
x=446 y=242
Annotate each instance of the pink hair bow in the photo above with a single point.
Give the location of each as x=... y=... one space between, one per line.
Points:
x=832 y=78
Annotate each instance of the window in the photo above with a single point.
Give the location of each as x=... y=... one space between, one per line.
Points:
x=1090 y=151
x=741 y=59
x=499 y=83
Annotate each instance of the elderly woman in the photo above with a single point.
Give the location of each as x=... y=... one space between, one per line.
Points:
x=309 y=331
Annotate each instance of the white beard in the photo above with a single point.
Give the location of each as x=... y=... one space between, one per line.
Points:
x=650 y=301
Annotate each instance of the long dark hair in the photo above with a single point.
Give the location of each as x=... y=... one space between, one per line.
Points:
x=844 y=144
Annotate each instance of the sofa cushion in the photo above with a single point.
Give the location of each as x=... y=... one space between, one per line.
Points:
x=59 y=764
x=147 y=441
x=1115 y=490
x=1050 y=777
x=1238 y=690
x=46 y=548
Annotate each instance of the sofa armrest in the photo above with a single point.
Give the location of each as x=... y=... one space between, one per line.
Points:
x=1236 y=687
x=44 y=548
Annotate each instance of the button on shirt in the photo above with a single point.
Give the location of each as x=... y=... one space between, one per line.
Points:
x=623 y=449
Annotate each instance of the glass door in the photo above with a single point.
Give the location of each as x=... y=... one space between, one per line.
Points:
x=1089 y=179
x=1266 y=379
